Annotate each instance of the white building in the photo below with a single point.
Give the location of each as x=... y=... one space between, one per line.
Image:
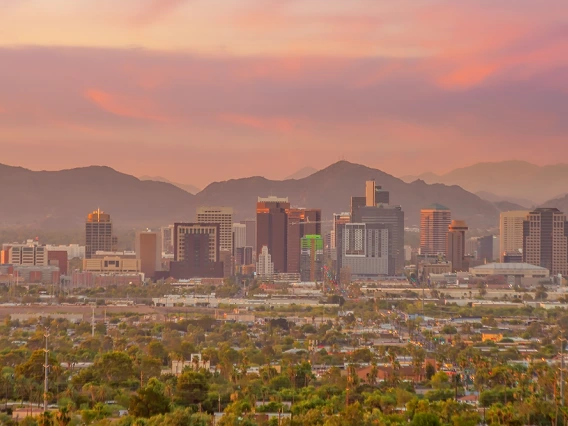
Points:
x=239 y=235
x=523 y=270
x=222 y=216
x=264 y=266
x=73 y=250
x=511 y=231
x=29 y=254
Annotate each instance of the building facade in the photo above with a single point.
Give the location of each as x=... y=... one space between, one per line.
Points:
x=434 y=223
x=272 y=229
x=311 y=258
x=223 y=216
x=511 y=232
x=195 y=260
x=210 y=229
x=545 y=240
x=98 y=233
x=239 y=236
x=264 y=265
x=301 y=222
x=455 y=248
x=149 y=252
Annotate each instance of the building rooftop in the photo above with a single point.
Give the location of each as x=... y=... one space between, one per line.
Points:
x=436 y=206
x=508 y=266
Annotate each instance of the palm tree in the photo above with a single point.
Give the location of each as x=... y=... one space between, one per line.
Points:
x=63 y=418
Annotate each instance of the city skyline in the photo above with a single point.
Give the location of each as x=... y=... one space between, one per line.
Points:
x=251 y=81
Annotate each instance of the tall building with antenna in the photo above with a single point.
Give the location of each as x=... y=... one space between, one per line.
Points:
x=98 y=234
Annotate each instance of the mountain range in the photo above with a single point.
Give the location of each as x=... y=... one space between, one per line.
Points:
x=62 y=199
x=186 y=187
x=518 y=182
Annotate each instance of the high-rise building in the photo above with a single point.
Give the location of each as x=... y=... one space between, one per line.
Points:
x=224 y=217
x=357 y=202
x=194 y=253
x=272 y=229
x=338 y=219
x=28 y=254
x=434 y=223
x=251 y=233
x=167 y=239
x=239 y=236
x=375 y=195
x=364 y=249
x=98 y=234
x=264 y=265
x=149 y=252
x=455 y=245
x=511 y=232
x=59 y=259
x=393 y=218
x=311 y=258
x=243 y=256
x=545 y=240
x=210 y=229
x=485 y=249
x=301 y=222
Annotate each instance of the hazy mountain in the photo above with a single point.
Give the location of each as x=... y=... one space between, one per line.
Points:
x=511 y=179
x=507 y=206
x=186 y=187
x=302 y=173
x=331 y=188
x=62 y=199
x=427 y=177
x=494 y=198
x=561 y=203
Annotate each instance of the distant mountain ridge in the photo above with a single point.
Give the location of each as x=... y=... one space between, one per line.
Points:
x=186 y=187
x=62 y=199
x=302 y=173
x=507 y=180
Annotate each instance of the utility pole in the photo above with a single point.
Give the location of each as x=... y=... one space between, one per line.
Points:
x=93 y=321
x=46 y=371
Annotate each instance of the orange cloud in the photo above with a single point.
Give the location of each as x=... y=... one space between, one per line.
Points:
x=125 y=106
x=468 y=76
x=154 y=10
x=271 y=124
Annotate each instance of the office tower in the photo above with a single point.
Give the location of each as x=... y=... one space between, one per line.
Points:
x=485 y=249
x=224 y=217
x=511 y=232
x=364 y=249
x=243 y=256
x=193 y=251
x=98 y=234
x=393 y=218
x=455 y=245
x=434 y=223
x=28 y=254
x=272 y=229
x=239 y=236
x=338 y=219
x=357 y=202
x=167 y=239
x=545 y=240
x=148 y=248
x=375 y=195
x=251 y=233
x=301 y=222
x=210 y=229
x=264 y=265
x=311 y=258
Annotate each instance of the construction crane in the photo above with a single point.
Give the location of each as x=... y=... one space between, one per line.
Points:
x=308 y=222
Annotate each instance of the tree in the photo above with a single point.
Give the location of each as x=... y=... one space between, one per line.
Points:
x=150 y=400
x=191 y=389
x=426 y=419
x=114 y=367
x=430 y=371
x=440 y=380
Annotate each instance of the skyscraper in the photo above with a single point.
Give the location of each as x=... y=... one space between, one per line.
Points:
x=301 y=222
x=338 y=219
x=222 y=216
x=455 y=245
x=311 y=258
x=251 y=233
x=210 y=229
x=434 y=223
x=149 y=252
x=545 y=240
x=272 y=229
x=485 y=249
x=98 y=234
x=167 y=239
x=239 y=236
x=511 y=231
x=264 y=265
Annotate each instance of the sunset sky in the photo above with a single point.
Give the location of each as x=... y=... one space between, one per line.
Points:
x=202 y=90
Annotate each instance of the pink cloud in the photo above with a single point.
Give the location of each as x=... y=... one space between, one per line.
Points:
x=152 y=10
x=281 y=125
x=124 y=106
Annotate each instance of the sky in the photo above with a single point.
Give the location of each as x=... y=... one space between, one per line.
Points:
x=208 y=90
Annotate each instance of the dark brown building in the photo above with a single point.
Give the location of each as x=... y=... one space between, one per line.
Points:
x=196 y=262
x=301 y=222
x=98 y=234
x=58 y=258
x=272 y=229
